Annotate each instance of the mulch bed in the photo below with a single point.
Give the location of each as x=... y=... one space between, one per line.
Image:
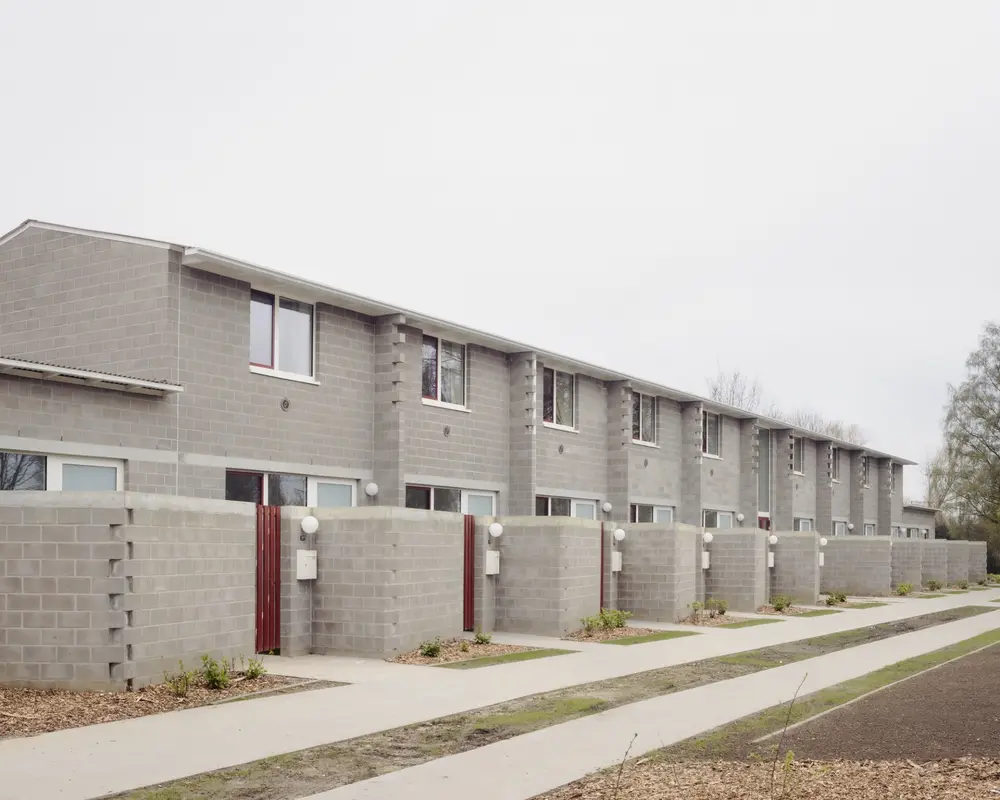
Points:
x=451 y=650
x=970 y=779
x=609 y=634
x=703 y=620
x=26 y=712
x=791 y=611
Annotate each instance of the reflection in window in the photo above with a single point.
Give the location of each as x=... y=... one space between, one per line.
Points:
x=22 y=472
x=286 y=490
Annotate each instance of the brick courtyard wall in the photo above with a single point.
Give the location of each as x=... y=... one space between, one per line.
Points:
x=958 y=561
x=796 y=566
x=977 y=561
x=550 y=574
x=657 y=581
x=907 y=561
x=738 y=569
x=858 y=565
x=934 y=561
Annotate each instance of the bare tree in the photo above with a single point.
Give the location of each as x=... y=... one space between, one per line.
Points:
x=20 y=471
x=735 y=389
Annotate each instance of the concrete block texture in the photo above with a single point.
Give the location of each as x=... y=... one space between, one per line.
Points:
x=857 y=565
x=550 y=574
x=934 y=561
x=738 y=569
x=659 y=566
x=977 y=561
x=958 y=561
x=907 y=562
x=796 y=566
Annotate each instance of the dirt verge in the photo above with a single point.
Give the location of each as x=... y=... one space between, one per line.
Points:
x=452 y=650
x=609 y=634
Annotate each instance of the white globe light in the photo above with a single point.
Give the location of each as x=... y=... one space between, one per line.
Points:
x=496 y=530
x=309 y=524
x=822 y=542
x=371 y=488
x=707 y=538
x=619 y=534
x=850 y=526
x=740 y=517
x=607 y=507
x=772 y=539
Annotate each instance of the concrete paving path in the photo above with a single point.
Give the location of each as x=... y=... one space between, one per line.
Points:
x=87 y=762
x=537 y=762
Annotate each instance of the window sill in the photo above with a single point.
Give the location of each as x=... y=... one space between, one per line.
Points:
x=646 y=444
x=440 y=404
x=711 y=455
x=285 y=376
x=556 y=427
x=800 y=474
x=835 y=480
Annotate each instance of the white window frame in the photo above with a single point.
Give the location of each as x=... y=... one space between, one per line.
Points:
x=799 y=454
x=574 y=428
x=870 y=526
x=275 y=370
x=575 y=504
x=54 y=469
x=804 y=524
x=835 y=464
x=312 y=489
x=437 y=402
x=718 y=516
x=467 y=493
x=650 y=442
x=633 y=507
x=704 y=434
x=839 y=527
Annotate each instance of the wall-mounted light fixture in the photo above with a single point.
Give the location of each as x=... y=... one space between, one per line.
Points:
x=606 y=507
x=850 y=526
x=496 y=530
x=371 y=488
x=740 y=517
x=308 y=525
x=619 y=534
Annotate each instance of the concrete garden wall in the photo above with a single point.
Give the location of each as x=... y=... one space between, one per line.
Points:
x=977 y=561
x=858 y=565
x=659 y=566
x=907 y=562
x=958 y=561
x=934 y=561
x=738 y=569
x=796 y=566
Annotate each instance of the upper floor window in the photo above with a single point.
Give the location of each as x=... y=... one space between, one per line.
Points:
x=443 y=371
x=281 y=334
x=717 y=519
x=30 y=472
x=869 y=529
x=643 y=418
x=644 y=513
x=835 y=463
x=798 y=455
x=711 y=434
x=839 y=528
x=865 y=471
x=558 y=398
x=803 y=524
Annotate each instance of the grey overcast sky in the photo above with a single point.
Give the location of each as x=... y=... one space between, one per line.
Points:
x=807 y=191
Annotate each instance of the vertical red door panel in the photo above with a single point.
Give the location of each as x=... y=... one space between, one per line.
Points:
x=268 y=621
x=469 y=584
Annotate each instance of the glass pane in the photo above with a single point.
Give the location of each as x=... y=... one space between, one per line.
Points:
x=664 y=514
x=541 y=506
x=452 y=373
x=334 y=495
x=286 y=490
x=559 y=506
x=261 y=329
x=418 y=497
x=725 y=520
x=712 y=434
x=22 y=472
x=632 y=513
x=649 y=419
x=710 y=519
x=764 y=471
x=295 y=332
x=548 y=395
x=448 y=500
x=564 y=399
x=643 y=513
x=585 y=510
x=244 y=487
x=89 y=478
x=429 y=368
x=636 y=415
x=481 y=505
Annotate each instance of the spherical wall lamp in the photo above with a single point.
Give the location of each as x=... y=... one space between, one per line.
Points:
x=496 y=530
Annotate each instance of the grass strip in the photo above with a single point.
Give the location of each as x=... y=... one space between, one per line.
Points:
x=650 y=637
x=873 y=604
x=506 y=658
x=739 y=740
x=750 y=623
x=305 y=772
x=819 y=612
x=930 y=596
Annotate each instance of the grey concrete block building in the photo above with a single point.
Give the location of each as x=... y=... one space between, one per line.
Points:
x=153 y=367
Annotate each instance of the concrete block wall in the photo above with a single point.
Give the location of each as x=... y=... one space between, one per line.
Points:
x=523 y=456
x=657 y=581
x=738 y=569
x=796 y=566
x=934 y=561
x=690 y=507
x=782 y=515
x=857 y=565
x=550 y=574
x=619 y=426
x=824 y=489
x=958 y=561
x=907 y=562
x=977 y=561
x=655 y=472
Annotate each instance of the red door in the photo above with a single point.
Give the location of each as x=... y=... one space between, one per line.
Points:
x=268 y=619
x=469 y=582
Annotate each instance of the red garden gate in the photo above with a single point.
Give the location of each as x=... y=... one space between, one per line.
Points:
x=268 y=619
x=469 y=581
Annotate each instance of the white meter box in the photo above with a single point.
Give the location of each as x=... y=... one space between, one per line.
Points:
x=492 y=562
x=305 y=565
x=616 y=561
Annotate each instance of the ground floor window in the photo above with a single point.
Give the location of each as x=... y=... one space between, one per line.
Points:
x=643 y=513
x=36 y=472
x=803 y=524
x=284 y=489
x=565 y=507
x=869 y=529
x=839 y=528
x=717 y=519
x=459 y=501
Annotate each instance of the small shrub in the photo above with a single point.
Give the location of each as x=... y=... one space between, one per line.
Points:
x=963 y=584
x=254 y=669
x=179 y=682
x=613 y=618
x=482 y=637
x=981 y=581
x=590 y=624
x=716 y=607
x=215 y=673
x=904 y=589
x=831 y=600
x=934 y=585
x=781 y=602
x=431 y=649
x=464 y=646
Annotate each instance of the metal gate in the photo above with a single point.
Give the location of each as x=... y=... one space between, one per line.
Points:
x=469 y=580
x=268 y=619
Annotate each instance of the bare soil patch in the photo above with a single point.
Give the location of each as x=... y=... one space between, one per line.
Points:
x=609 y=634
x=27 y=712
x=452 y=650
x=703 y=620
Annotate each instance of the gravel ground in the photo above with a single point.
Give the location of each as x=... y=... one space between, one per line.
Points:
x=451 y=651
x=605 y=635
